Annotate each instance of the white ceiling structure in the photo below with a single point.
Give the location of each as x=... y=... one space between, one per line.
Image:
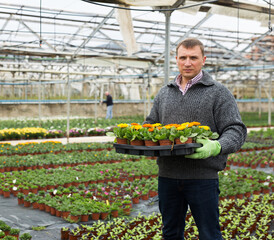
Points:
x=124 y=39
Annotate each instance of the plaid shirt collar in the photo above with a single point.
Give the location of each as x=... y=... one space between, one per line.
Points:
x=190 y=83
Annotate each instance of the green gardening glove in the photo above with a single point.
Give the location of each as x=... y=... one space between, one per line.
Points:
x=209 y=149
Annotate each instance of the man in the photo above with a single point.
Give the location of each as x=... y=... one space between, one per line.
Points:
x=192 y=180
x=109 y=103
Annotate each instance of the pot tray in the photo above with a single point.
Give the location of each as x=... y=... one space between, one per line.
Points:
x=155 y=151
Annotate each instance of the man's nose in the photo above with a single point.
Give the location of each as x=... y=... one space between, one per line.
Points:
x=187 y=62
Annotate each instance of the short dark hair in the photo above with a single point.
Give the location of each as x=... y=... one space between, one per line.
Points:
x=190 y=43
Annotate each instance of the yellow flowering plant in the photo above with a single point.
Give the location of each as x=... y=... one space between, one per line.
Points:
x=120 y=130
x=205 y=132
x=164 y=132
x=156 y=132
x=192 y=130
x=184 y=131
x=135 y=131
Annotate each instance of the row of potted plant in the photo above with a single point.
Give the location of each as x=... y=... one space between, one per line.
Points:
x=38 y=133
x=22 y=133
x=46 y=179
x=74 y=122
x=50 y=178
x=252 y=159
x=27 y=148
x=51 y=160
x=155 y=134
x=243 y=219
x=60 y=123
x=241 y=183
x=75 y=207
x=261 y=135
x=9 y=233
x=252 y=146
x=94 y=201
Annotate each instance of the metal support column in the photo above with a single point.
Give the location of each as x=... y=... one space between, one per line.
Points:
x=68 y=101
x=270 y=99
x=167 y=46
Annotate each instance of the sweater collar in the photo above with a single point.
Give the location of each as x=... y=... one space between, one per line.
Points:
x=205 y=80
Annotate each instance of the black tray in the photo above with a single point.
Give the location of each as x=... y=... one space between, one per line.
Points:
x=180 y=149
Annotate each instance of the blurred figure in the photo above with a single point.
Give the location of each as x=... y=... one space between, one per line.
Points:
x=109 y=103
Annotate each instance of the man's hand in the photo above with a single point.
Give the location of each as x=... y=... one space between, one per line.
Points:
x=209 y=149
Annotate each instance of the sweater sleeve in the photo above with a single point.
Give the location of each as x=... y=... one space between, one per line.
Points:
x=229 y=123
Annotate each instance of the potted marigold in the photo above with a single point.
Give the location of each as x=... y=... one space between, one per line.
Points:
x=205 y=132
x=135 y=134
x=163 y=135
x=150 y=132
x=182 y=134
x=120 y=133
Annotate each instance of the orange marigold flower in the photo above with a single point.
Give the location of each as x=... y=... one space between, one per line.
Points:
x=159 y=128
x=151 y=129
x=134 y=124
x=147 y=125
x=195 y=123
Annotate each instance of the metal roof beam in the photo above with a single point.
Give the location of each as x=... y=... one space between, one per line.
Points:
x=253 y=43
x=93 y=33
x=6 y=23
x=208 y=15
x=241 y=5
x=35 y=34
x=230 y=51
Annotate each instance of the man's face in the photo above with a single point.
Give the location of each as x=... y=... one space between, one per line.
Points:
x=190 y=61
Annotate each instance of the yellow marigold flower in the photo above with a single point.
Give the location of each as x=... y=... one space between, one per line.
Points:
x=156 y=124
x=181 y=127
x=207 y=128
x=137 y=127
x=122 y=125
x=168 y=126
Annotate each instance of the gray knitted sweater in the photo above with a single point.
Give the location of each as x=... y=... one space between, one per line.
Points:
x=209 y=103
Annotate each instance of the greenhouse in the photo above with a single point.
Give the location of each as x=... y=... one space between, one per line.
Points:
x=83 y=80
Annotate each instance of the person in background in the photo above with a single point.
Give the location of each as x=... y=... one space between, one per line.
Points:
x=191 y=181
x=109 y=103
